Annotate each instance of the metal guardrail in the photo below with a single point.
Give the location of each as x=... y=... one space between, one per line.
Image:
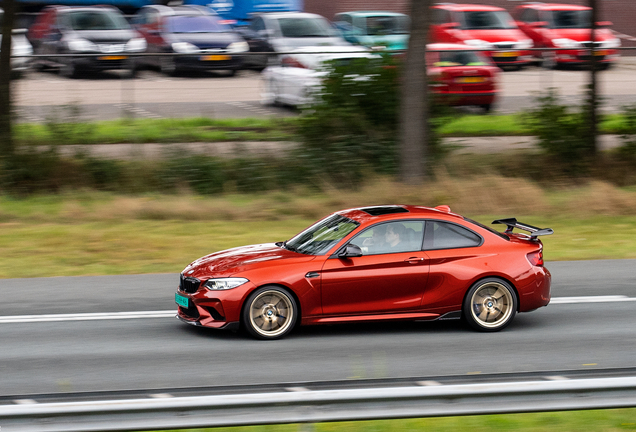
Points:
x=305 y=406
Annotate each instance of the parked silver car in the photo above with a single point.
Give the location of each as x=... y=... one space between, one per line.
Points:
x=285 y=32
x=20 y=46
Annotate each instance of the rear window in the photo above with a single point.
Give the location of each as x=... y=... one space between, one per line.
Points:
x=487 y=20
x=305 y=27
x=387 y=25
x=195 y=24
x=97 y=20
x=577 y=19
x=480 y=225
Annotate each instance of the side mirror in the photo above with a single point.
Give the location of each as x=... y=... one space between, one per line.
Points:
x=350 y=251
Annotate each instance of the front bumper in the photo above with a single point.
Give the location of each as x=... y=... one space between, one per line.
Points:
x=105 y=62
x=581 y=57
x=209 y=62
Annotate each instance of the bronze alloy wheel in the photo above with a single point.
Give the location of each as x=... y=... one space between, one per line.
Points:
x=490 y=305
x=270 y=313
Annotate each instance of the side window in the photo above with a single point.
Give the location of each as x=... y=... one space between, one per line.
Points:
x=391 y=237
x=257 y=25
x=444 y=235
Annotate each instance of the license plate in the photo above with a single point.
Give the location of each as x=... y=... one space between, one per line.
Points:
x=112 y=58
x=506 y=54
x=600 y=53
x=470 y=80
x=215 y=57
x=181 y=301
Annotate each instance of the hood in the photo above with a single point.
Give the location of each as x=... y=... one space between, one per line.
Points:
x=107 y=36
x=581 y=35
x=288 y=44
x=231 y=261
x=206 y=40
x=494 y=36
x=392 y=42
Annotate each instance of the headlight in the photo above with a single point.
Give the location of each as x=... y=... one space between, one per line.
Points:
x=81 y=45
x=236 y=47
x=224 y=283
x=524 y=44
x=612 y=43
x=136 y=45
x=184 y=47
x=566 y=43
x=478 y=43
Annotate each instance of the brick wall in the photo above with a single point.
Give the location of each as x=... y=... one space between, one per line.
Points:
x=621 y=12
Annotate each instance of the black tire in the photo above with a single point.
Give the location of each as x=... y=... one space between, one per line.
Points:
x=490 y=305
x=168 y=66
x=269 y=313
x=68 y=70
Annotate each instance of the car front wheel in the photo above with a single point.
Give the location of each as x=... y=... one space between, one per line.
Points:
x=490 y=305
x=270 y=313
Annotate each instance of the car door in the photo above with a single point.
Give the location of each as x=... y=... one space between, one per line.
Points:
x=382 y=280
x=455 y=256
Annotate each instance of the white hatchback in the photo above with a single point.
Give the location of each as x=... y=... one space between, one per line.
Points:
x=20 y=46
x=299 y=75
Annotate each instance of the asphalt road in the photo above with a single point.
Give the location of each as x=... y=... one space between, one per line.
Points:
x=44 y=96
x=149 y=353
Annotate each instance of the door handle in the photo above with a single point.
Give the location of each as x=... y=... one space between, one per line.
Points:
x=414 y=260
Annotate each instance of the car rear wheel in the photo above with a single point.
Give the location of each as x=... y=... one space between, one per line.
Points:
x=270 y=312
x=490 y=305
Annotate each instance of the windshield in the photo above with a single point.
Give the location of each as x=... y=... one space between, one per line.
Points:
x=459 y=58
x=319 y=238
x=487 y=20
x=195 y=24
x=570 y=19
x=97 y=20
x=305 y=27
x=387 y=25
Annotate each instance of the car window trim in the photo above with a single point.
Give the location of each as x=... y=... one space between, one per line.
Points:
x=426 y=230
x=354 y=234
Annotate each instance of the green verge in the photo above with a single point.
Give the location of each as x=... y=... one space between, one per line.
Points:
x=572 y=421
x=74 y=131
x=102 y=234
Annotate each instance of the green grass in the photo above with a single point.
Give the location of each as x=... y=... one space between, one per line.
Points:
x=66 y=131
x=102 y=234
x=617 y=420
x=70 y=130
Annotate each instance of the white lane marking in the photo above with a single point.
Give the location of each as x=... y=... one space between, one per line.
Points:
x=160 y=395
x=86 y=316
x=296 y=389
x=24 y=402
x=591 y=299
x=172 y=313
x=556 y=378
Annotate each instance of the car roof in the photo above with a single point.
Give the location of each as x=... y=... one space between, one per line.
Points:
x=555 y=6
x=277 y=15
x=467 y=7
x=372 y=13
x=181 y=10
x=390 y=212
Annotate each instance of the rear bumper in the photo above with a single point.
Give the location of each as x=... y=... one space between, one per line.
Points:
x=539 y=293
x=466 y=98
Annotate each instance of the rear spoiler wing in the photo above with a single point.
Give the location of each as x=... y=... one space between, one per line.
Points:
x=512 y=223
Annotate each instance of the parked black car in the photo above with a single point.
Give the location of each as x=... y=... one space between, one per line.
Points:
x=85 y=30
x=195 y=30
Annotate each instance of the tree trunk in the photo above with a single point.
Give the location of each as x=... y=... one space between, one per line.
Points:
x=414 y=107
x=593 y=97
x=6 y=138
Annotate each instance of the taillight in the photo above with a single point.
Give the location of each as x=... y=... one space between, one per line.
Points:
x=536 y=258
x=292 y=62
